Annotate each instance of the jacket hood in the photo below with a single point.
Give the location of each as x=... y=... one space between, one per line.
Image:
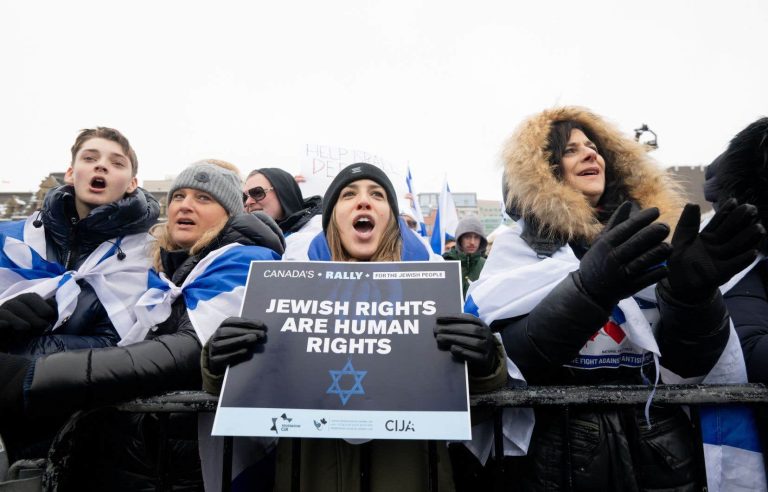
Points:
x=741 y=171
x=134 y=213
x=471 y=224
x=297 y=210
x=533 y=192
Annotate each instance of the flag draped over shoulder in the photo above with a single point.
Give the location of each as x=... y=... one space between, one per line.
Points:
x=446 y=220
x=116 y=270
x=415 y=208
x=213 y=291
x=514 y=280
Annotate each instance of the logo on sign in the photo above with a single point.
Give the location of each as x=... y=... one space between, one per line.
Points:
x=399 y=426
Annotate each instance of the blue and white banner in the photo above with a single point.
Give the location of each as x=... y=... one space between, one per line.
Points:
x=213 y=291
x=346 y=341
x=446 y=220
x=414 y=201
x=116 y=270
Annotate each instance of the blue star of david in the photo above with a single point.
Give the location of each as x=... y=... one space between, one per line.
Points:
x=344 y=394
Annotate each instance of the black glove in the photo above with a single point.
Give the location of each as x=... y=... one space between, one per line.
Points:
x=26 y=315
x=703 y=261
x=626 y=257
x=233 y=342
x=468 y=339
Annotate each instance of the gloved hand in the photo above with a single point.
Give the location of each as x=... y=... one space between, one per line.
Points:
x=703 y=261
x=233 y=342
x=626 y=257
x=469 y=339
x=26 y=315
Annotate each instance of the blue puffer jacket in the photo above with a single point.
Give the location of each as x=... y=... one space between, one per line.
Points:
x=69 y=242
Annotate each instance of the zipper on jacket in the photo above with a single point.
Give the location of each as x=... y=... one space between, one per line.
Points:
x=71 y=244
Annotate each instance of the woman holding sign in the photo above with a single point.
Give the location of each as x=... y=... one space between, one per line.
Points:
x=587 y=292
x=360 y=223
x=201 y=258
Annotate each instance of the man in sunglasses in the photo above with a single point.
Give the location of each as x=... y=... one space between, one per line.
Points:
x=276 y=193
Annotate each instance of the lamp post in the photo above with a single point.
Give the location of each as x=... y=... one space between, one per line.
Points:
x=653 y=143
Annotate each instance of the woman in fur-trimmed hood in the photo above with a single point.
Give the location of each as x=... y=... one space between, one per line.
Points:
x=535 y=190
x=570 y=290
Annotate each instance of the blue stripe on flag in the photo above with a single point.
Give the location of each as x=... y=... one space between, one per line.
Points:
x=435 y=242
x=228 y=271
x=40 y=267
x=112 y=250
x=618 y=316
x=471 y=308
x=13 y=229
x=733 y=426
x=645 y=304
x=155 y=282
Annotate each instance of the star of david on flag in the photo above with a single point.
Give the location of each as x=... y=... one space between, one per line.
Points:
x=344 y=394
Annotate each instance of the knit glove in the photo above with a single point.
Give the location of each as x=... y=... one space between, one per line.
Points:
x=703 y=261
x=626 y=257
x=233 y=342
x=26 y=316
x=469 y=339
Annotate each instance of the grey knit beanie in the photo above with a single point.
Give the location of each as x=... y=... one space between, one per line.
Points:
x=222 y=184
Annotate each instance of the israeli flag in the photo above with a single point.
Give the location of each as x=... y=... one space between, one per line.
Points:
x=446 y=220
x=213 y=291
x=116 y=270
x=415 y=207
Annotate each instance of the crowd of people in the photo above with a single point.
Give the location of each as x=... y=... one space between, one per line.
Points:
x=607 y=277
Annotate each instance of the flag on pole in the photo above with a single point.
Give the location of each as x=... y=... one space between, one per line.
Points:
x=415 y=208
x=446 y=220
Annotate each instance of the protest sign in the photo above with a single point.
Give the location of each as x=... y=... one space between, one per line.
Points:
x=322 y=163
x=350 y=353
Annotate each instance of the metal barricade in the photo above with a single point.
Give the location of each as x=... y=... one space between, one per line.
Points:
x=755 y=395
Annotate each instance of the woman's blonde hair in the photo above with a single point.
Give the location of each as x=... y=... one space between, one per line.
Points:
x=163 y=238
x=389 y=249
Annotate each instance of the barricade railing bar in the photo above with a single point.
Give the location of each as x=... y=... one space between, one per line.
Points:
x=755 y=395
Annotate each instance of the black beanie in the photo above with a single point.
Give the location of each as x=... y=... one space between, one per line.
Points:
x=356 y=172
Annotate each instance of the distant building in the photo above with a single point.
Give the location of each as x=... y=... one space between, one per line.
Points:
x=16 y=205
x=159 y=189
x=489 y=211
x=692 y=179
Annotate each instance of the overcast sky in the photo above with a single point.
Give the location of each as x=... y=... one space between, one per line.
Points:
x=435 y=84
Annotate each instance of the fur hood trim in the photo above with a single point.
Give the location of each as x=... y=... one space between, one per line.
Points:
x=533 y=192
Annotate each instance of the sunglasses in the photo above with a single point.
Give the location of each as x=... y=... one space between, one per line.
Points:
x=257 y=193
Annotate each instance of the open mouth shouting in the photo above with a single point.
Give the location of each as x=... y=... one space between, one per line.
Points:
x=98 y=183
x=364 y=226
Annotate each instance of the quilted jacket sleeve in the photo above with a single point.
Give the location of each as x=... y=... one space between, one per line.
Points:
x=67 y=381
